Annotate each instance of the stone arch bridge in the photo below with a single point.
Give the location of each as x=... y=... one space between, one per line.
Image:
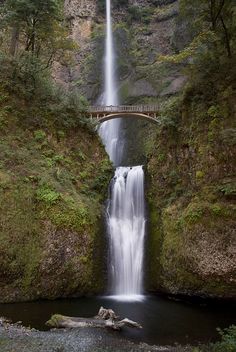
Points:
x=105 y=113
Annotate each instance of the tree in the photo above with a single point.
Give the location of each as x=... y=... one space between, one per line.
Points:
x=217 y=16
x=37 y=27
x=35 y=34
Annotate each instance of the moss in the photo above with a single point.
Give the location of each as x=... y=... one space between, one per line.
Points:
x=192 y=174
x=5 y=180
x=55 y=320
x=39 y=135
x=124 y=91
x=154 y=248
x=171 y=248
x=199 y=174
x=228 y=189
x=49 y=224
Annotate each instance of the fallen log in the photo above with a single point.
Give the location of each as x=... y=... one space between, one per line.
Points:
x=106 y=318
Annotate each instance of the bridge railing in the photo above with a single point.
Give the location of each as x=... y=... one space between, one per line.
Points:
x=124 y=108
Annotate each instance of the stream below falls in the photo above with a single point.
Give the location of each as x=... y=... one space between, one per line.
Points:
x=164 y=321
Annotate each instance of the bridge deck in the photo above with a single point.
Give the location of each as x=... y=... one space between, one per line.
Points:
x=105 y=113
x=144 y=109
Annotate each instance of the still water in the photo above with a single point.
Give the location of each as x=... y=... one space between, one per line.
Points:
x=164 y=321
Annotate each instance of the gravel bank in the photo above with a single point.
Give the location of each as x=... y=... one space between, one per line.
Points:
x=20 y=339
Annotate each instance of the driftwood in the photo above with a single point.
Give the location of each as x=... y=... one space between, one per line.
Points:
x=106 y=318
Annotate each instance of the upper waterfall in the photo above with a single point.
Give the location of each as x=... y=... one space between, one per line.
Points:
x=110 y=130
x=111 y=97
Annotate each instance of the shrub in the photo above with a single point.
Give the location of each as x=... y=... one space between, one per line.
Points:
x=47 y=195
x=199 y=174
x=139 y=14
x=39 y=135
x=117 y=4
x=22 y=78
x=170 y=112
x=228 y=189
x=227 y=343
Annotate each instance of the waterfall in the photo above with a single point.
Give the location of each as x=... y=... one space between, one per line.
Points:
x=126 y=221
x=126 y=209
x=109 y=131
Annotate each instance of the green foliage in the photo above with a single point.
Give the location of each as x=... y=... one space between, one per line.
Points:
x=193 y=213
x=228 y=340
x=139 y=14
x=24 y=76
x=161 y=157
x=44 y=101
x=5 y=180
x=210 y=55
x=46 y=142
x=198 y=141
x=204 y=38
x=216 y=209
x=121 y=3
x=38 y=26
x=116 y=4
x=39 y=135
x=70 y=215
x=199 y=174
x=47 y=195
x=228 y=136
x=170 y=112
x=227 y=343
x=217 y=16
x=68 y=109
x=228 y=189
x=35 y=35
x=101 y=5
x=214 y=111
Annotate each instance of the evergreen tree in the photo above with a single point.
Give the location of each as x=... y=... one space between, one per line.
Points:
x=217 y=16
x=36 y=27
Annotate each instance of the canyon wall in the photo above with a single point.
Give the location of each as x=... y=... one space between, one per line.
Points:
x=190 y=162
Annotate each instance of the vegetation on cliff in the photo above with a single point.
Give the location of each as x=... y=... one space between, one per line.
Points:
x=192 y=166
x=54 y=172
x=226 y=344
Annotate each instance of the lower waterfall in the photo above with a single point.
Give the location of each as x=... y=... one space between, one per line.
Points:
x=126 y=228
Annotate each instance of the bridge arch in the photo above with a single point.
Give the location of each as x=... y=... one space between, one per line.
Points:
x=106 y=113
x=120 y=115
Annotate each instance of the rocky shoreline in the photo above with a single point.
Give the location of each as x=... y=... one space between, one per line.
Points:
x=17 y=338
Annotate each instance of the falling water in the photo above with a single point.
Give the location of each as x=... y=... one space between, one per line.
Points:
x=109 y=131
x=127 y=229
x=126 y=210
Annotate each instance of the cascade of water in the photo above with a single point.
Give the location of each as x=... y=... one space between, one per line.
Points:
x=126 y=221
x=126 y=211
x=110 y=82
x=109 y=131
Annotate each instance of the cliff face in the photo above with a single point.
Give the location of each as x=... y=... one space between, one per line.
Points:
x=80 y=16
x=192 y=205
x=142 y=30
x=53 y=183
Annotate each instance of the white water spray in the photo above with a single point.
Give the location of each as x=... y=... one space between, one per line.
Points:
x=126 y=210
